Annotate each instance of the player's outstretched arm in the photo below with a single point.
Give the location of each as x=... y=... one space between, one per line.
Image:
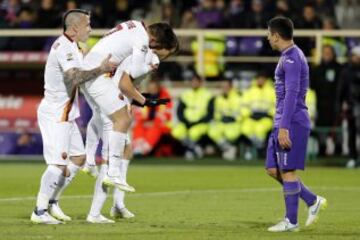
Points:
x=128 y=89
x=76 y=76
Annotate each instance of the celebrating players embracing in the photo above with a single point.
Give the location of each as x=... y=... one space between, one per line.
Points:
x=63 y=145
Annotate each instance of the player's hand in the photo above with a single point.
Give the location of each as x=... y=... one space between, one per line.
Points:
x=153 y=67
x=284 y=138
x=151 y=102
x=107 y=66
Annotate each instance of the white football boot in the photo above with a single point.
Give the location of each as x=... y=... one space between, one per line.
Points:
x=284 y=226
x=98 y=219
x=44 y=218
x=56 y=212
x=118 y=183
x=121 y=213
x=315 y=209
x=91 y=170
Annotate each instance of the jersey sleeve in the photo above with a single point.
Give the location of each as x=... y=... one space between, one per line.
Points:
x=292 y=69
x=67 y=58
x=138 y=66
x=123 y=67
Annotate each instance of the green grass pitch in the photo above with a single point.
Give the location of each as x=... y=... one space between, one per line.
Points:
x=184 y=201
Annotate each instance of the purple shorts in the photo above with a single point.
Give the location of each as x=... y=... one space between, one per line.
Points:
x=289 y=159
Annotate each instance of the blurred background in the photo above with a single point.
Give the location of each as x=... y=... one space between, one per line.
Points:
x=221 y=82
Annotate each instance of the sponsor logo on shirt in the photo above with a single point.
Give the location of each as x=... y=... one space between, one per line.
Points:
x=144 y=49
x=69 y=57
x=289 y=61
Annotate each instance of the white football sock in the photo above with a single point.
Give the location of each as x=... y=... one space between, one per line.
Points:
x=124 y=165
x=117 y=142
x=73 y=169
x=100 y=192
x=92 y=140
x=119 y=197
x=49 y=182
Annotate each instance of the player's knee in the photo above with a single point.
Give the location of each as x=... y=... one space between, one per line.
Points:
x=272 y=172
x=79 y=160
x=122 y=124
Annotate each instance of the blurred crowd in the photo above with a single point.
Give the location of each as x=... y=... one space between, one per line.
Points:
x=308 y=14
x=203 y=14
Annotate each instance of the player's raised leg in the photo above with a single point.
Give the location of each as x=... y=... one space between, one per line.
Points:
x=93 y=131
x=121 y=120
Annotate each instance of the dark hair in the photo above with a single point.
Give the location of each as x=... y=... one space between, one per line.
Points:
x=85 y=12
x=165 y=36
x=282 y=26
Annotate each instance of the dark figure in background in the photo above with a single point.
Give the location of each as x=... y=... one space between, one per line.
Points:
x=308 y=20
x=48 y=15
x=324 y=81
x=349 y=102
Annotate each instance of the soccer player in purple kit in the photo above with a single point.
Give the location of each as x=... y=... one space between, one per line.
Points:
x=287 y=144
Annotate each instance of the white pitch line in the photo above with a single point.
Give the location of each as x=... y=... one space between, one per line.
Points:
x=170 y=193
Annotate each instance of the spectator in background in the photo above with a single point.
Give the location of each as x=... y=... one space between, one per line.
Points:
x=236 y=14
x=194 y=112
x=325 y=8
x=260 y=99
x=11 y=7
x=210 y=14
x=28 y=143
x=324 y=80
x=70 y=5
x=25 y=20
x=187 y=21
x=283 y=9
x=257 y=17
x=308 y=20
x=121 y=13
x=226 y=128
x=338 y=43
x=349 y=102
x=48 y=16
x=23 y=143
x=214 y=48
x=151 y=123
x=169 y=14
x=97 y=16
x=348 y=13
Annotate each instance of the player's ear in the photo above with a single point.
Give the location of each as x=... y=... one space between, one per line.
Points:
x=153 y=44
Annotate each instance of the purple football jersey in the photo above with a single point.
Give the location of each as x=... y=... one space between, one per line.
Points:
x=291 y=84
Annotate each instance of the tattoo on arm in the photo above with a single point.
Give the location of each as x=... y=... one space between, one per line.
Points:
x=74 y=77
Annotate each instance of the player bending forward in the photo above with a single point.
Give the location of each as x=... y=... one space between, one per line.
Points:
x=288 y=141
x=131 y=38
x=99 y=127
x=64 y=151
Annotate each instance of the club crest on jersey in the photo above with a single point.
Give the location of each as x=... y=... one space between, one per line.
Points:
x=144 y=49
x=69 y=57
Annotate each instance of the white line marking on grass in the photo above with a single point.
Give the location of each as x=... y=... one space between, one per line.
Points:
x=170 y=193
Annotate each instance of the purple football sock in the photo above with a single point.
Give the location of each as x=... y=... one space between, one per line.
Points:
x=291 y=194
x=306 y=195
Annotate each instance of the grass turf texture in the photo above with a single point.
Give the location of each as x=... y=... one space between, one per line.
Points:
x=184 y=201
